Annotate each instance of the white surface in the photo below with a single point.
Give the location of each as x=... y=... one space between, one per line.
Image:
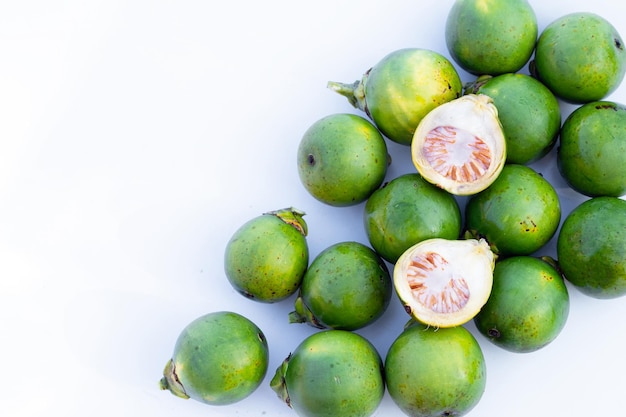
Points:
x=136 y=136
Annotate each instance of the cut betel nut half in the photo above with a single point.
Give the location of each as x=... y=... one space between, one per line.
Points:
x=445 y=283
x=460 y=145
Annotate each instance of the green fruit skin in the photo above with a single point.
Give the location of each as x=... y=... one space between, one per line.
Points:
x=266 y=258
x=334 y=373
x=580 y=57
x=528 y=111
x=342 y=158
x=347 y=286
x=528 y=306
x=591 y=247
x=219 y=359
x=491 y=36
x=408 y=210
x=517 y=214
x=405 y=86
x=435 y=372
x=592 y=152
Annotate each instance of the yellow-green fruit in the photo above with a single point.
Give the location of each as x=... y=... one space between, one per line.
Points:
x=347 y=286
x=342 y=158
x=219 y=358
x=592 y=150
x=408 y=210
x=432 y=372
x=580 y=57
x=491 y=36
x=591 y=247
x=518 y=214
x=401 y=89
x=332 y=373
x=266 y=258
x=528 y=306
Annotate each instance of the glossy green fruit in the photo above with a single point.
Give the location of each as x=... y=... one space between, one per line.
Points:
x=342 y=158
x=591 y=247
x=580 y=57
x=347 y=286
x=528 y=306
x=592 y=151
x=491 y=36
x=528 y=111
x=434 y=372
x=401 y=89
x=332 y=373
x=266 y=258
x=408 y=210
x=518 y=214
x=219 y=358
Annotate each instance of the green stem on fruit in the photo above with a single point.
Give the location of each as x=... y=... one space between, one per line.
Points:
x=473 y=87
x=278 y=385
x=293 y=217
x=354 y=92
x=296 y=318
x=171 y=382
x=303 y=314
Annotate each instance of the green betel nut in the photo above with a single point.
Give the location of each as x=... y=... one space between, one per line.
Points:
x=433 y=372
x=342 y=158
x=332 y=373
x=528 y=306
x=399 y=90
x=406 y=211
x=347 y=287
x=491 y=36
x=591 y=155
x=518 y=214
x=267 y=257
x=580 y=57
x=591 y=247
x=219 y=358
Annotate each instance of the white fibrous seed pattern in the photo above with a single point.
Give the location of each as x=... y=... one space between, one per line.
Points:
x=434 y=285
x=457 y=154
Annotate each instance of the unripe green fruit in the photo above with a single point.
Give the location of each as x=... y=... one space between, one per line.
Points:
x=219 y=359
x=266 y=258
x=581 y=57
x=332 y=373
x=342 y=159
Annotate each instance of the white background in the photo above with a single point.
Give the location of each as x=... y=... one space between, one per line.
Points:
x=136 y=136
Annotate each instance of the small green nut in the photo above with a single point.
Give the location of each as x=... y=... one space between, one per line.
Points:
x=332 y=373
x=518 y=214
x=406 y=211
x=219 y=358
x=591 y=155
x=528 y=306
x=591 y=247
x=342 y=158
x=347 y=287
x=435 y=372
x=399 y=90
x=491 y=37
x=266 y=258
x=581 y=57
